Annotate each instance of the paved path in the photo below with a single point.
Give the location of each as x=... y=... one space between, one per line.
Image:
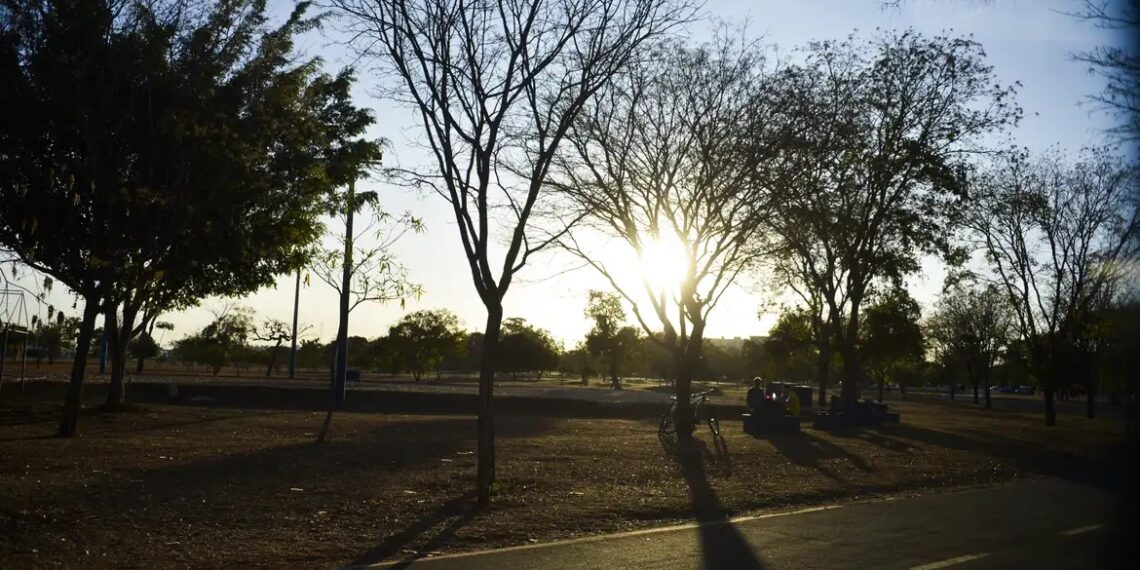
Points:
x=1046 y=524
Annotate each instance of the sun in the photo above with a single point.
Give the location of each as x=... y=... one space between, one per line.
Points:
x=663 y=261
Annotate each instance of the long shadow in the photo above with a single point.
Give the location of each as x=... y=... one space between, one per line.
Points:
x=1105 y=474
x=811 y=451
x=875 y=438
x=458 y=511
x=722 y=545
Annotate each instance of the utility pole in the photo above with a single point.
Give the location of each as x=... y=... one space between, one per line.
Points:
x=296 y=306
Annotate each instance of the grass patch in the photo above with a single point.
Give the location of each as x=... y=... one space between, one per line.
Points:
x=220 y=488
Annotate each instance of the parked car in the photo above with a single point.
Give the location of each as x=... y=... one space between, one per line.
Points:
x=1008 y=390
x=995 y=389
x=1027 y=390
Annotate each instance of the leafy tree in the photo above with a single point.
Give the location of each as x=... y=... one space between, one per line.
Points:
x=1057 y=235
x=883 y=128
x=609 y=339
x=975 y=326
x=496 y=84
x=892 y=338
x=53 y=334
x=143 y=347
x=153 y=155
x=527 y=349
x=790 y=347
x=673 y=187
x=221 y=342
x=421 y=339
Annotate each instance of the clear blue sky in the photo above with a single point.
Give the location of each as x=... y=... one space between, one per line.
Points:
x=1029 y=41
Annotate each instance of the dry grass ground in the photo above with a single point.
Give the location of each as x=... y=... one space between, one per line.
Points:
x=174 y=486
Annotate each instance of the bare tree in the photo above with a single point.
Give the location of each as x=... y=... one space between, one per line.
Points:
x=1057 y=236
x=665 y=165
x=873 y=178
x=1118 y=65
x=490 y=81
x=277 y=332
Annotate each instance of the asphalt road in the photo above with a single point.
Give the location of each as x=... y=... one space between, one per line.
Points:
x=1045 y=523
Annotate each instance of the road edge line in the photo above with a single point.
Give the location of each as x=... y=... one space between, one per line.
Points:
x=595 y=538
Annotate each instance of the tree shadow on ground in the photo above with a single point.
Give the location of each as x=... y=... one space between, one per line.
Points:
x=811 y=451
x=1104 y=474
x=722 y=545
x=456 y=512
x=876 y=438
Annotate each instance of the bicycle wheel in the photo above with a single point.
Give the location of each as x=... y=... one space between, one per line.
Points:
x=667 y=426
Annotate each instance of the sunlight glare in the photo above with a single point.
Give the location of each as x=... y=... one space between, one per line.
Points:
x=663 y=262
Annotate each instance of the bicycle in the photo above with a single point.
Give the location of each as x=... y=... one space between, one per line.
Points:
x=701 y=413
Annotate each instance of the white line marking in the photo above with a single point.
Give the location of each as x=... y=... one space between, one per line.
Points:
x=1083 y=529
x=643 y=532
x=951 y=561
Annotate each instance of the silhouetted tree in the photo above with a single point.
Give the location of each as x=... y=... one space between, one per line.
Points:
x=1057 y=236
x=420 y=341
x=1119 y=64
x=496 y=84
x=873 y=177
x=891 y=338
x=790 y=348
x=525 y=348
x=666 y=161
x=610 y=339
x=156 y=153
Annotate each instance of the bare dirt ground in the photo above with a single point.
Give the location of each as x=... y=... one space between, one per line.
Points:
x=201 y=487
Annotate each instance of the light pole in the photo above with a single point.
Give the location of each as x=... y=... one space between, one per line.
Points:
x=296 y=306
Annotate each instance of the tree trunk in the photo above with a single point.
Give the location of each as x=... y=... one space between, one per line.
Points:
x=849 y=391
x=119 y=337
x=485 y=471
x=1090 y=412
x=1050 y=411
x=69 y=420
x=988 y=403
x=139 y=368
x=882 y=386
x=683 y=390
x=823 y=371
x=615 y=382
x=902 y=391
x=341 y=378
x=951 y=390
x=975 y=392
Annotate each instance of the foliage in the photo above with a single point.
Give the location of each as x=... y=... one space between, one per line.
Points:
x=154 y=154
x=790 y=348
x=645 y=171
x=876 y=166
x=1118 y=65
x=525 y=348
x=142 y=347
x=420 y=340
x=497 y=84
x=52 y=335
x=609 y=339
x=1059 y=237
x=891 y=337
x=224 y=341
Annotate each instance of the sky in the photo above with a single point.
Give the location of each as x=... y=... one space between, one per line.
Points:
x=1030 y=41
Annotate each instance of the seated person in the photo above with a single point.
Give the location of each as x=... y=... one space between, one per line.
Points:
x=755 y=397
x=793 y=403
